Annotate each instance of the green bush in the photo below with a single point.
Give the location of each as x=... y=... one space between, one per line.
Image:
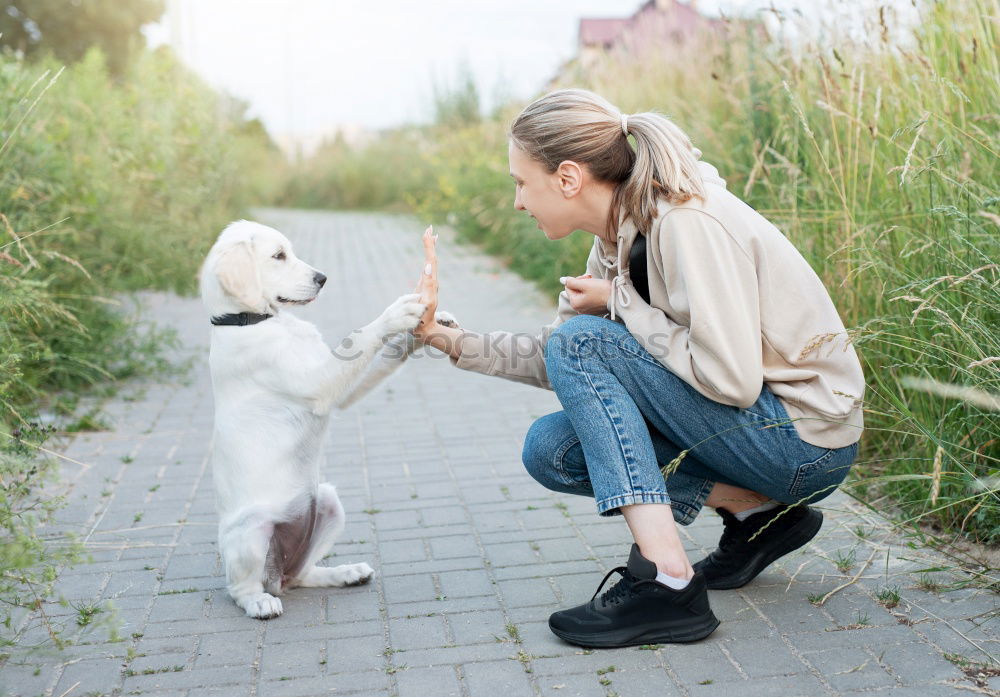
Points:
x=107 y=184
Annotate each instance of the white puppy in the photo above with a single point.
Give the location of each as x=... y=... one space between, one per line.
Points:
x=275 y=383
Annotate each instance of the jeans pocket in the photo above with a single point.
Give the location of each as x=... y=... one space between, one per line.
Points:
x=818 y=478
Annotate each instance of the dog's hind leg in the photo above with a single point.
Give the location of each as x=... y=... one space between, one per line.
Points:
x=330 y=523
x=244 y=547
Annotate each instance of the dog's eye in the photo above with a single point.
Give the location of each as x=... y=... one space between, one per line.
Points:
x=280 y=256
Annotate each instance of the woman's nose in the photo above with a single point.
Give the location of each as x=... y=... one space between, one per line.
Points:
x=320 y=279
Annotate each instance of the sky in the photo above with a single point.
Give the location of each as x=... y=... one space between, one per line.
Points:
x=309 y=67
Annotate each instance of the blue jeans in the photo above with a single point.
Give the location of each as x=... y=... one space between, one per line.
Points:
x=625 y=415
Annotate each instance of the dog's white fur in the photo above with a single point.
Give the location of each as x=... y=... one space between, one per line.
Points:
x=276 y=383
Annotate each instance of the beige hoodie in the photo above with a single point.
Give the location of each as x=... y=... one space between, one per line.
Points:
x=733 y=305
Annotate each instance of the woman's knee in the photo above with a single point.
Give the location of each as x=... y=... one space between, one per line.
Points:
x=545 y=444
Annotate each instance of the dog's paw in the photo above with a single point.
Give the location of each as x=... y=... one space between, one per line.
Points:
x=351 y=574
x=404 y=314
x=263 y=606
x=445 y=318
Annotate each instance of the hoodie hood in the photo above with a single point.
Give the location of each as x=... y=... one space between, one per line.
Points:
x=615 y=261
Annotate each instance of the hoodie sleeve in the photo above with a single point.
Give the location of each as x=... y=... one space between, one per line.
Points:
x=713 y=339
x=517 y=357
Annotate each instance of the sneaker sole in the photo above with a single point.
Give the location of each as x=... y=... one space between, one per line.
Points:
x=637 y=636
x=798 y=536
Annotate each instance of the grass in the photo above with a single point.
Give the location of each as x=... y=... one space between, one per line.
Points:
x=879 y=161
x=888 y=596
x=845 y=561
x=107 y=185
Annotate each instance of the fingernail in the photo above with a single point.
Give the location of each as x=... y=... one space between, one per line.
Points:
x=428 y=269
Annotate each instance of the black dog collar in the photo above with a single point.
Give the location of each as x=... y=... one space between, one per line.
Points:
x=240 y=320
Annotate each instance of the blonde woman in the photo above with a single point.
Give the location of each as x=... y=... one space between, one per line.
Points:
x=697 y=330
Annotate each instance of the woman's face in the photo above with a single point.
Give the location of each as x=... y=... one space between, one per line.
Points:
x=541 y=194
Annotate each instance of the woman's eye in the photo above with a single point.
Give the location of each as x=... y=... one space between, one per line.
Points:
x=280 y=256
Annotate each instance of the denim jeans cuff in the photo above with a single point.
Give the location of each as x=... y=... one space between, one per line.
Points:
x=686 y=511
x=610 y=505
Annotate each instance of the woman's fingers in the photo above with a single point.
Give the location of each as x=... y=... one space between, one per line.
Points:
x=428 y=286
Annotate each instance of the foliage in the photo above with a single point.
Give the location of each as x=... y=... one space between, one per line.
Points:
x=457 y=104
x=379 y=176
x=107 y=185
x=68 y=29
x=28 y=566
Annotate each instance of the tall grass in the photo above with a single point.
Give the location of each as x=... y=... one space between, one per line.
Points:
x=880 y=162
x=106 y=185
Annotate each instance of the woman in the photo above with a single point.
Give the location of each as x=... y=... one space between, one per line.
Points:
x=733 y=372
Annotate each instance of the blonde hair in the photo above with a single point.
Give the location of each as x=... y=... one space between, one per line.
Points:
x=578 y=125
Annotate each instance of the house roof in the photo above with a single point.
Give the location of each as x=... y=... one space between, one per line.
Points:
x=649 y=24
x=602 y=32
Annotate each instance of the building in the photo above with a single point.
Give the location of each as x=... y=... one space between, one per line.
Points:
x=655 y=22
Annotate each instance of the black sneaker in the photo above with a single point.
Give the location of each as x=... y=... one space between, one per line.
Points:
x=638 y=610
x=739 y=559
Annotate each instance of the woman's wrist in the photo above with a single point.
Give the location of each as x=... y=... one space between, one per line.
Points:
x=445 y=338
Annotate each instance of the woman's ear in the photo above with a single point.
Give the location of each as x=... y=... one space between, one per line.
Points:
x=570 y=178
x=237 y=274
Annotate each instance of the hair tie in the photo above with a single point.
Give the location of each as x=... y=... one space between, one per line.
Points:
x=625 y=125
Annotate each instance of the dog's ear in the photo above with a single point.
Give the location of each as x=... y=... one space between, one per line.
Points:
x=237 y=274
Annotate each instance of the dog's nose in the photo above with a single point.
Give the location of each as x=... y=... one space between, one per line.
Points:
x=320 y=279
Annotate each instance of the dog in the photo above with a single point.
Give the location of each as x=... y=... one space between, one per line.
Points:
x=276 y=383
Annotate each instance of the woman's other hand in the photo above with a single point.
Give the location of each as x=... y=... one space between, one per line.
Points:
x=587 y=294
x=428 y=285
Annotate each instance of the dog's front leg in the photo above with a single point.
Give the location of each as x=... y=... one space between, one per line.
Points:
x=349 y=360
x=395 y=353
x=244 y=545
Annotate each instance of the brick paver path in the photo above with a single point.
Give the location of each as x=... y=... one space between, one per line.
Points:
x=471 y=555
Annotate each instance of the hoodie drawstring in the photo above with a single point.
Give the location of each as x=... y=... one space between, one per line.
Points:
x=619 y=291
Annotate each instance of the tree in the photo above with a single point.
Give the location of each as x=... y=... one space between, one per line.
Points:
x=68 y=28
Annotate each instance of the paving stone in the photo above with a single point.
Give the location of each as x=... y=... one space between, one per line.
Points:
x=916 y=663
x=924 y=690
x=407 y=589
x=505 y=677
x=355 y=654
x=697 y=663
x=451 y=655
x=22 y=681
x=454 y=546
x=575 y=685
x=459 y=584
x=762 y=658
x=229 y=648
x=851 y=669
x=477 y=627
x=529 y=592
x=642 y=683
x=417 y=632
x=420 y=682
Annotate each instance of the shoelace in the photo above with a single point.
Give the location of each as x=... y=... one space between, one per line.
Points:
x=621 y=589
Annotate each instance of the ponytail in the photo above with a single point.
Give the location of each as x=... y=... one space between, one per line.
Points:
x=578 y=125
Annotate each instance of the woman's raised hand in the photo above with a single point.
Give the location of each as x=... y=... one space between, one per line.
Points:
x=428 y=285
x=587 y=294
